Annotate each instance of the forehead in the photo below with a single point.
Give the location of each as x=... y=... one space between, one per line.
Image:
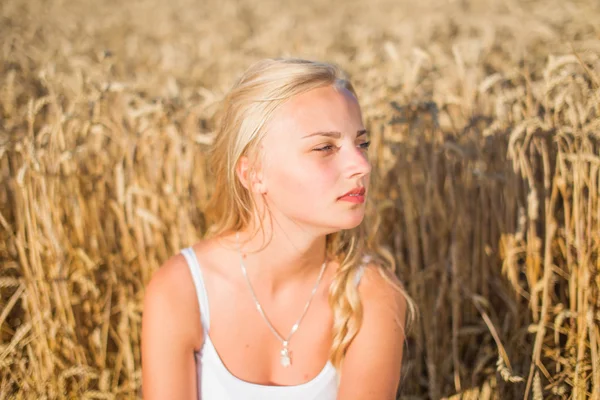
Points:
x=322 y=109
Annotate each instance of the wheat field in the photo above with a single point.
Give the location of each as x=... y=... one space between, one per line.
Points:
x=485 y=124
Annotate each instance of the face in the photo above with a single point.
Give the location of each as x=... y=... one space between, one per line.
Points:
x=315 y=170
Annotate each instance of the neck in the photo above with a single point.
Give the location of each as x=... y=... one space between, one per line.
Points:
x=278 y=255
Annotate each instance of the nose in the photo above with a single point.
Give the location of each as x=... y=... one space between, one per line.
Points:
x=356 y=162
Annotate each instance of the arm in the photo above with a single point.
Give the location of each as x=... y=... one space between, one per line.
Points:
x=371 y=368
x=170 y=324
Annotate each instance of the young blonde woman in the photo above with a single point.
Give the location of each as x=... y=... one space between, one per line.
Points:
x=287 y=297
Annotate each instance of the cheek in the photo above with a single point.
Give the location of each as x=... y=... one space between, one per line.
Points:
x=301 y=179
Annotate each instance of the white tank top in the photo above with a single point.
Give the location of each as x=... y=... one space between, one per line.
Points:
x=215 y=382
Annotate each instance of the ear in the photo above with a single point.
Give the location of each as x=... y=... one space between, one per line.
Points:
x=251 y=175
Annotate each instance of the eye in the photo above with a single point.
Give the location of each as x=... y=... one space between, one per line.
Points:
x=326 y=148
x=364 y=145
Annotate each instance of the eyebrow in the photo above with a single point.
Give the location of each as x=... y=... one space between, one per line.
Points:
x=334 y=134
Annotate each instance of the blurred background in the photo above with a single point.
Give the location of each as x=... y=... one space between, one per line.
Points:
x=485 y=122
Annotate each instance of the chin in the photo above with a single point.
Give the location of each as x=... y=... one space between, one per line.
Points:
x=349 y=221
x=328 y=223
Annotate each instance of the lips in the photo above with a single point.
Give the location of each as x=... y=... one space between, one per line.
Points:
x=359 y=191
x=356 y=195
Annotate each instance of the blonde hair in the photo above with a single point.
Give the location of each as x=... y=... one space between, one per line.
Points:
x=245 y=111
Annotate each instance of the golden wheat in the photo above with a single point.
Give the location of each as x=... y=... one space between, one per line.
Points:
x=485 y=121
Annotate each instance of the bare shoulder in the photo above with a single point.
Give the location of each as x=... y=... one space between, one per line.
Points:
x=171 y=295
x=381 y=293
x=371 y=367
x=171 y=331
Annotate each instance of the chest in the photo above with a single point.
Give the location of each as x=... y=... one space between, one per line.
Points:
x=252 y=352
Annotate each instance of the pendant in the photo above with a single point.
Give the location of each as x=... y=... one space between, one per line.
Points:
x=285 y=358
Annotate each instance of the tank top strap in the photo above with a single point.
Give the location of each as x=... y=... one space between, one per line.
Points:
x=359 y=274
x=194 y=266
x=361 y=269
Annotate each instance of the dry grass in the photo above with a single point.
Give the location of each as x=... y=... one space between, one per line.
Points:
x=485 y=117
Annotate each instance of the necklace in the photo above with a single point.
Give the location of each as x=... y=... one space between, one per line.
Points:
x=285 y=357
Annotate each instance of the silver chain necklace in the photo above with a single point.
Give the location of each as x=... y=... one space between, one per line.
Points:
x=285 y=357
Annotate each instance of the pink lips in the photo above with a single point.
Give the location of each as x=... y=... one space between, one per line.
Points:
x=356 y=195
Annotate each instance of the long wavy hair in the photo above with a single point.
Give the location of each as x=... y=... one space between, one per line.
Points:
x=241 y=120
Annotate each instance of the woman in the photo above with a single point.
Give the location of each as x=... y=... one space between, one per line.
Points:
x=287 y=297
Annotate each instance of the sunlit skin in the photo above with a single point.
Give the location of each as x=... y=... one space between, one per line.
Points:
x=314 y=152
